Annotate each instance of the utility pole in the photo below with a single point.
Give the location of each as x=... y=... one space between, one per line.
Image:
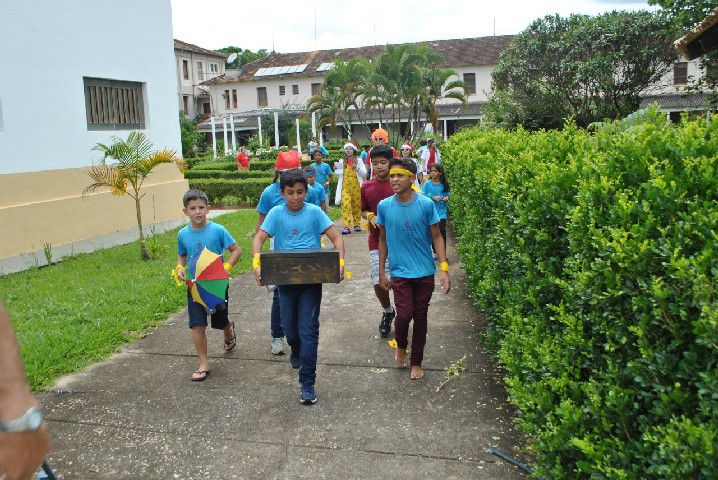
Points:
x=494 y=26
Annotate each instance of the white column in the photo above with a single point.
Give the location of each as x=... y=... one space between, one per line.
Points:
x=231 y=126
x=445 y=136
x=214 y=137
x=259 y=123
x=321 y=137
x=276 y=129
x=314 y=124
x=380 y=123
x=299 y=140
x=224 y=126
x=412 y=127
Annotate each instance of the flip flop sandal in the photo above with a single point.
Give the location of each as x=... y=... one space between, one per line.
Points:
x=232 y=341
x=204 y=373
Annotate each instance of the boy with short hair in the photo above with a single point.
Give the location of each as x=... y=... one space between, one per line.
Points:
x=324 y=171
x=409 y=225
x=191 y=240
x=372 y=192
x=298 y=225
x=316 y=194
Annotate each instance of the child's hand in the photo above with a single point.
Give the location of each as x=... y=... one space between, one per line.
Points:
x=384 y=282
x=445 y=282
x=437 y=198
x=341 y=273
x=181 y=274
x=258 y=275
x=372 y=222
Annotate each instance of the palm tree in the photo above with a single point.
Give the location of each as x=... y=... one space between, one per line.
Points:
x=436 y=88
x=135 y=159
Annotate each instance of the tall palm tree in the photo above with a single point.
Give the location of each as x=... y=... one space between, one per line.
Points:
x=438 y=86
x=135 y=159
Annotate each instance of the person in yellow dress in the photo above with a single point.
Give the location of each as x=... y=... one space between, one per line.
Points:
x=353 y=174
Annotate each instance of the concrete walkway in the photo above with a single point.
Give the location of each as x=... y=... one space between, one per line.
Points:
x=138 y=415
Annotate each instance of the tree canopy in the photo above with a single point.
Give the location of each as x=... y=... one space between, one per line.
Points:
x=589 y=68
x=243 y=56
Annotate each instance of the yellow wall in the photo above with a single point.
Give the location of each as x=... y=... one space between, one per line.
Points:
x=48 y=207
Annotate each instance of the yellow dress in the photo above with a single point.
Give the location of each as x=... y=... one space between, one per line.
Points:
x=351 y=206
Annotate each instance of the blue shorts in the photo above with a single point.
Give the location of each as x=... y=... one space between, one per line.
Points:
x=198 y=315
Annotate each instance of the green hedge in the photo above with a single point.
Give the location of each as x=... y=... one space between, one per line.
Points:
x=594 y=258
x=207 y=173
x=246 y=192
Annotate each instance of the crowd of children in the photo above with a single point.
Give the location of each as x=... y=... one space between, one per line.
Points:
x=405 y=214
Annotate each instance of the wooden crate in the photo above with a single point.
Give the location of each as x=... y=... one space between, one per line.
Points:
x=298 y=267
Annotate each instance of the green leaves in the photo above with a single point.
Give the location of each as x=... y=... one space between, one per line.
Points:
x=580 y=67
x=595 y=260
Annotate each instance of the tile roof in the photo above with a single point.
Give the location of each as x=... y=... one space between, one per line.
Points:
x=688 y=101
x=451 y=53
x=690 y=44
x=188 y=47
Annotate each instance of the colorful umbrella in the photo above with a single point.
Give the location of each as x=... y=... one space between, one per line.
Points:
x=209 y=285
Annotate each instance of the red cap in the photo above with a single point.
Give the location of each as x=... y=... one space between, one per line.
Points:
x=288 y=160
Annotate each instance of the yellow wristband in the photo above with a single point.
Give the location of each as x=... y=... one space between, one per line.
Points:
x=444 y=266
x=369 y=216
x=227 y=267
x=341 y=262
x=255 y=261
x=179 y=266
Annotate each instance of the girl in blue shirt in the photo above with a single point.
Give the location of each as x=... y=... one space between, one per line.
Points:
x=437 y=189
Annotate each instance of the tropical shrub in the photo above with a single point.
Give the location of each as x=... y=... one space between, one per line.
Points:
x=594 y=258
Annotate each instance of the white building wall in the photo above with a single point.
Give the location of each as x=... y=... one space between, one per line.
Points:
x=666 y=86
x=48 y=46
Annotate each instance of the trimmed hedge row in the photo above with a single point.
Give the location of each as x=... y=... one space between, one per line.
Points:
x=253 y=165
x=207 y=173
x=594 y=259
x=246 y=192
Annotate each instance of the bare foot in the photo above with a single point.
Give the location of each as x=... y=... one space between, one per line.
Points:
x=416 y=372
x=400 y=358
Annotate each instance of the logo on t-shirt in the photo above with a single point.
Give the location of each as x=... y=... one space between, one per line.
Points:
x=407 y=226
x=295 y=232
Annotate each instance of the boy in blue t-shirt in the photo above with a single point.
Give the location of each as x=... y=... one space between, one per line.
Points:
x=191 y=240
x=409 y=225
x=270 y=198
x=316 y=194
x=324 y=171
x=298 y=225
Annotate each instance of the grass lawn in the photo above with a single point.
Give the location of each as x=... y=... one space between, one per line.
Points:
x=70 y=315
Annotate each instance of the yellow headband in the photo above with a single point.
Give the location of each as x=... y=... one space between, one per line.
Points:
x=401 y=171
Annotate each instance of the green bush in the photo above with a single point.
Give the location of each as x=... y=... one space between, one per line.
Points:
x=246 y=191
x=220 y=173
x=594 y=259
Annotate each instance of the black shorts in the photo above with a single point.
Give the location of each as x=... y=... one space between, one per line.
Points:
x=198 y=315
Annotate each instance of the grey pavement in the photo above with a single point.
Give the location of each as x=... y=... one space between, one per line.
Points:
x=37 y=258
x=138 y=415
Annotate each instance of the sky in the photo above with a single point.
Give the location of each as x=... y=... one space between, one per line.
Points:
x=290 y=25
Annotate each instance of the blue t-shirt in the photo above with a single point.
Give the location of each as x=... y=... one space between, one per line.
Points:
x=316 y=195
x=408 y=236
x=295 y=230
x=272 y=196
x=431 y=190
x=213 y=236
x=323 y=171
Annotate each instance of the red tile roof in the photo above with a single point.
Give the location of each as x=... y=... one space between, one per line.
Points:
x=188 y=47
x=452 y=53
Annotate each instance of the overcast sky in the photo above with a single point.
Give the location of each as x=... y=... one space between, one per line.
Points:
x=342 y=23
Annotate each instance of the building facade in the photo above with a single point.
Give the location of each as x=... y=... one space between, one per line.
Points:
x=194 y=66
x=56 y=107
x=286 y=81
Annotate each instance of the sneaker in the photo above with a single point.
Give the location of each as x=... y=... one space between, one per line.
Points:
x=294 y=359
x=278 y=346
x=346 y=231
x=357 y=229
x=307 y=395
x=385 y=324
